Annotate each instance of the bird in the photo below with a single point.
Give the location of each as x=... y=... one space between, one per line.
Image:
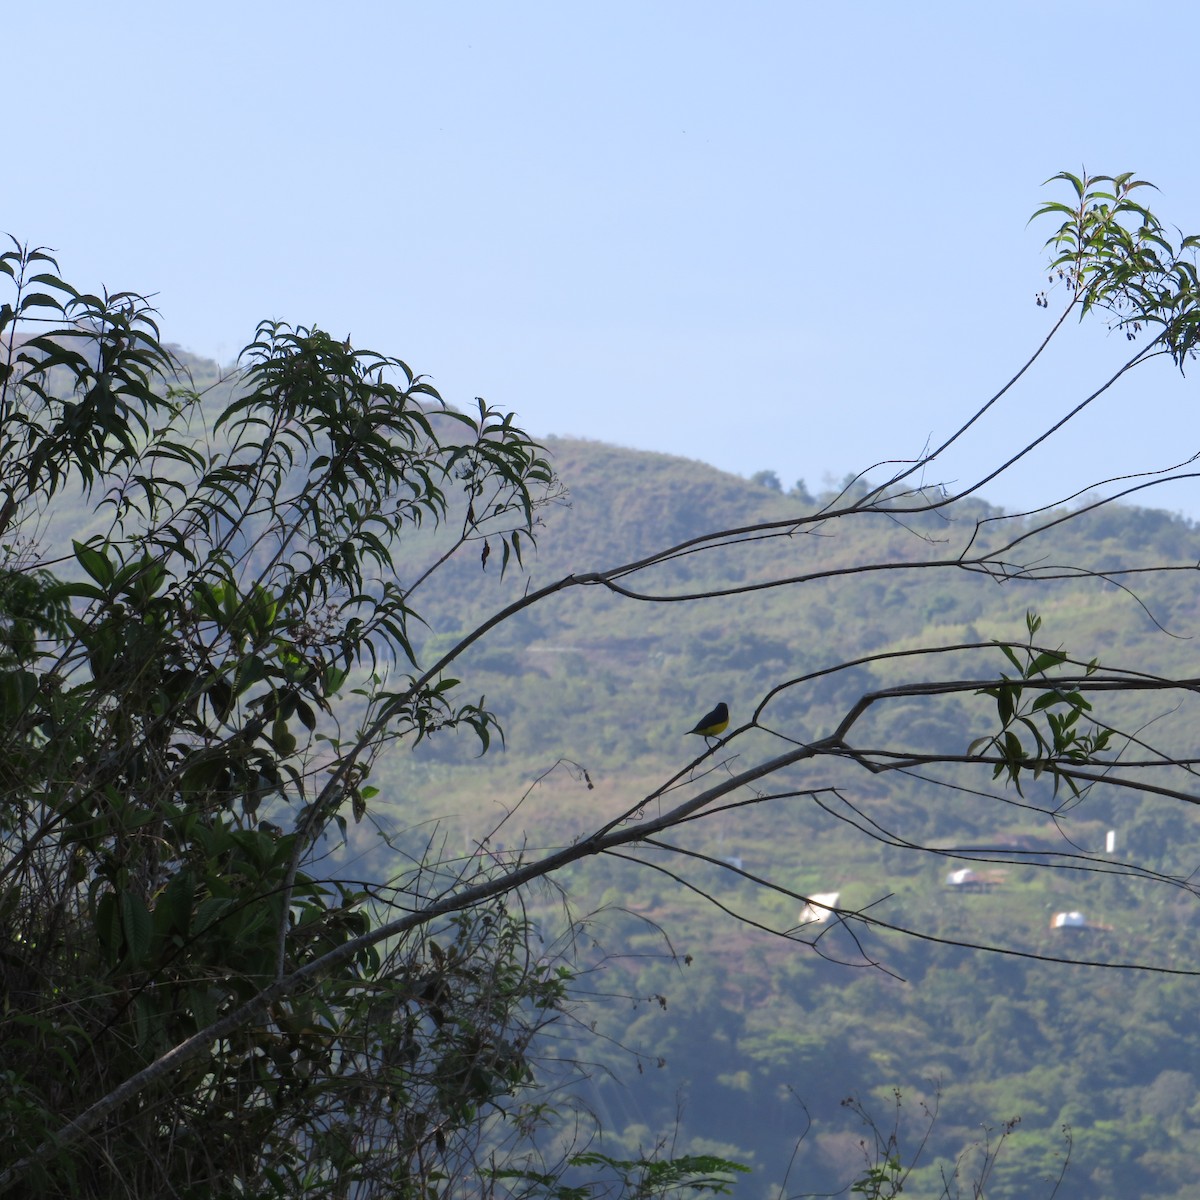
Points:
x=713 y=723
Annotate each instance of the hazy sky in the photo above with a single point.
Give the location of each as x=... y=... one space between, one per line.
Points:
x=777 y=235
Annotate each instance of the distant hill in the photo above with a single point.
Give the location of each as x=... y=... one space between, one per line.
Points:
x=757 y=1024
x=611 y=683
x=592 y=674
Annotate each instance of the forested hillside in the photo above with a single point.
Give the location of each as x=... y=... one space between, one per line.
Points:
x=758 y=1035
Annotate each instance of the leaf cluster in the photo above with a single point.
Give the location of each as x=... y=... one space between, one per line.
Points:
x=1116 y=255
x=1047 y=712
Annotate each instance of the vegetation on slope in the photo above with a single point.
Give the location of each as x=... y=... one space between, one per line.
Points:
x=755 y=1039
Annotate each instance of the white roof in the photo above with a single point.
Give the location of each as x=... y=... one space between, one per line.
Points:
x=1067 y=919
x=819 y=907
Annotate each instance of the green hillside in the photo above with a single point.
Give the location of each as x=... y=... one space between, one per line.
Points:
x=756 y=1025
x=726 y=1013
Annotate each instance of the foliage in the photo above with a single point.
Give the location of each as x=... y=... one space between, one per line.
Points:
x=767 y=479
x=888 y=1175
x=1057 y=741
x=1116 y=255
x=175 y=758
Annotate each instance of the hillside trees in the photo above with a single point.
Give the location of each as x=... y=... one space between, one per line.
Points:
x=196 y=687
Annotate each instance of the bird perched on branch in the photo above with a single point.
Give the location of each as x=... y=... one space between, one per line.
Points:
x=713 y=723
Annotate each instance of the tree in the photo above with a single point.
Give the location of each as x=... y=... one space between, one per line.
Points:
x=193 y=699
x=801 y=492
x=180 y=679
x=767 y=479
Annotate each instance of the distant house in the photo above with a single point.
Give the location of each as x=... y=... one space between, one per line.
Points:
x=820 y=907
x=1076 y=920
x=1068 y=920
x=967 y=880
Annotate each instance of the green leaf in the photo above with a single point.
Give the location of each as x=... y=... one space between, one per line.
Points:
x=94 y=563
x=220 y=695
x=107 y=924
x=53 y=281
x=75 y=591
x=212 y=910
x=136 y=925
x=334 y=678
x=39 y=300
x=173 y=909
x=1045 y=660
x=307 y=717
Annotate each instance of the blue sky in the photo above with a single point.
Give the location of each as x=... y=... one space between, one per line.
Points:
x=780 y=236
